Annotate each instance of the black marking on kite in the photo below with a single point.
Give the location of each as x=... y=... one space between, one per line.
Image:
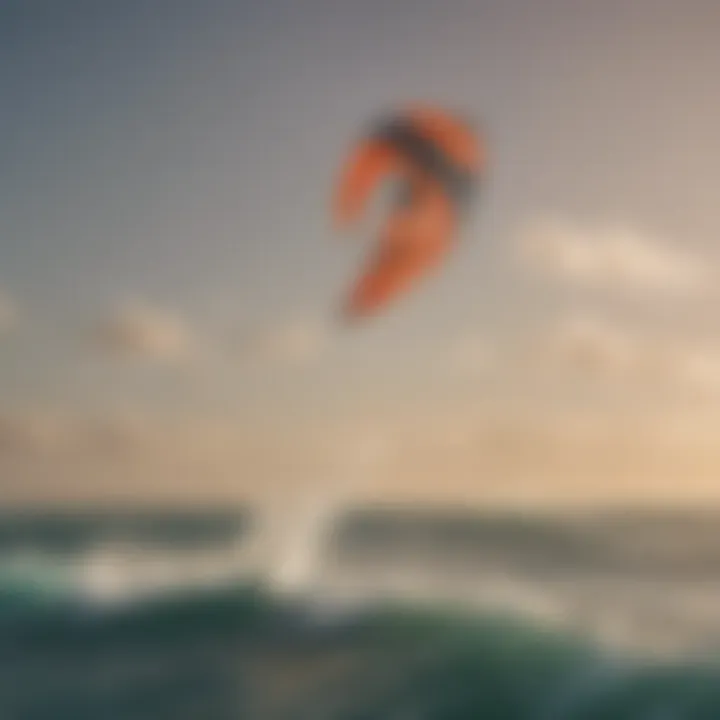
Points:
x=425 y=154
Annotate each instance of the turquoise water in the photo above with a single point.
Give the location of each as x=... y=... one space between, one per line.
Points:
x=133 y=617
x=238 y=653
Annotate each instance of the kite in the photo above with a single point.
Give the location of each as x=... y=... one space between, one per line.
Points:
x=435 y=159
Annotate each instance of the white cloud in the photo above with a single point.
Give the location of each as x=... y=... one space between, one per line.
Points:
x=689 y=366
x=593 y=344
x=51 y=455
x=541 y=456
x=613 y=257
x=138 y=331
x=297 y=342
x=554 y=457
x=471 y=354
x=600 y=347
x=34 y=433
x=699 y=367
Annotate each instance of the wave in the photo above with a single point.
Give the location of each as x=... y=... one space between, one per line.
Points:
x=123 y=626
x=576 y=574
x=240 y=652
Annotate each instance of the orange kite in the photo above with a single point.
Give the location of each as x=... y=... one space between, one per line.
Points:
x=436 y=159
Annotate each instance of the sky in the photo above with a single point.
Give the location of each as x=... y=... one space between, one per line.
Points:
x=169 y=275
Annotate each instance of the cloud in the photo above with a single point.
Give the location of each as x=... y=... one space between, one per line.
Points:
x=33 y=433
x=599 y=347
x=612 y=257
x=698 y=366
x=593 y=344
x=486 y=456
x=295 y=343
x=471 y=354
x=544 y=457
x=689 y=366
x=135 y=330
x=69 y=456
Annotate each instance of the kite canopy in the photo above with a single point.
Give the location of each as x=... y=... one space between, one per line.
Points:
x=436 y=158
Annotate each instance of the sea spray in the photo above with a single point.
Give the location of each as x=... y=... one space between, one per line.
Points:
x=298 y=529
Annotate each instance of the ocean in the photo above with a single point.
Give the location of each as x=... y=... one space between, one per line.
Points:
x=399 y=614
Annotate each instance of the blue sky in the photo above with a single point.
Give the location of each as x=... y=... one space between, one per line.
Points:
x=165 y=182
